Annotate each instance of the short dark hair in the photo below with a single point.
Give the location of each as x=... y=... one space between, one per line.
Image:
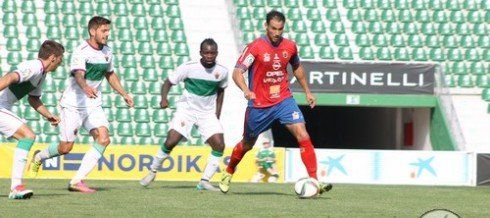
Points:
x=210 y=42
x=96 y=21
x=50 y=47
x=276 y=15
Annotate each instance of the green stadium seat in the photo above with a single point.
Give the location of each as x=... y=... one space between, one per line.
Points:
x=294 y=14
x=128 y=61
x=449 y=81
x=402 y=4
x=125 y=129
x=483 y=81
x=145 y=48
x=182 y=59
x=371 y=16
x=9 y=19
x=397 y=41
x=160 y=36
x=244 y=13
x=440 y=16
x=436 y=5
x=455 y=55
x=173 y=11
x=160 y=130
x=432 y=41
x=411 y=28
x=176 y=90
x=291 y=3
x=259 y=14
x=402 y=54
x=131 y=74
x=345 y=53
x=446 y=29
x=475 y=17
x=166 y=62
x=127 y=140
x=54 y=33
x=388 y=16
x=428 y=29
x=141 y=115
x=121 y=10
x=68 y=7
x=337 y=27
x=154 y=88
x=127 y=48
x=51 y=20
x=463 y=29
x=140 y=23
x=350 y=4
x=257 y=3
x=384 y=54
x=31 y=56
x=247 y=25
x=180 y=49
x=138 y=88
x=457 y=17
x=9 y=6
x=83 y=22
x=50 y=139
x=31 y=114
x=332 y=15
x=105 y=88
x=459 y=68
x=380 y=40
x=123 y=115
x=465 y=81
x=478 y=68
x=354 y=15
x=486 y=94
x=471 y=5
x=422 y=16
x=302 y=39
x=171 y=102
x=376 y=28
x=480 y=29
x=106 y=101
x=13 y=44
x=29 y=20
x=50 y=130
x=104 y=9
x=156 y=10
x=300 y=26
x=313 y=14
x=14 y=58
x=274 y=3
x=158 y=23
x=419 y=54
x=366 y=53
x=393 y=28
x=472 y=54
x=341 y=40
x=143 y=130
x=171 y=2
x=178 y=36
x=145 y=140
x=368 y=4
x=310 y=4
x=70 y=21
x=358 y=27
x=140 y=102
x=486 y=54
x=331 y=4
x=450 y=41
x=35 y=126
x=71 y=33
x=164 y=49
x=306 y=52
x=155 y=101
x=160 y=116
x=453 y=5
x=437 y=54
x=362 y=40
x=138 y=10
x=147 y=61
x=122 y=23
x=49 y=86
x=51 y=7
x=419 y=5
x=321 y=40
x=33 y=33
x=49 y=99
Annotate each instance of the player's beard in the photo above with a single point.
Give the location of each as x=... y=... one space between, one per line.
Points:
x=207 y=64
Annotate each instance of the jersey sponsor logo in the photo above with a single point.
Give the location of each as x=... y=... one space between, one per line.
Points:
x=267 y=57
x=295 y=115
x=276 y=65
x=285 y=54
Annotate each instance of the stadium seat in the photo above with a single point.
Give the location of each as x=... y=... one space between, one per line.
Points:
x=486 y=94
x=147 y=61
x=449 y=81
x=143 y=130
x=158 y=23
x=138 y=88
x=337 y=27
x=9 y=19
x=138 y=10
x=123 y=115
x=419 y=54
x=350 y=4
x=313 y=14
x=49 y=99
x=155 y=101
x=181 y=49
x=454 y=55
x=363 y=40
x=459 y=68
x=384 y=54
x=259 y=14
x=475 y=17
x=411 y=28
x=140 y=102
x=54 y=33
x=380 y=40
x=483 y=81
x=71 y=33
x=291 y=3
x=462 y=29
x=160 y=130
x=465 y=81
x=274 y=3
x=415 y=41
x=173 y=11
x=121 y=10
x=35 y=126
x=178 y=36
x=371 y=16
x=345 y=53
x=432 y=41
x=31 y=114
x=402 y=54
x=51 y=7
x=321 y=40
x=341 y=40
x=393 y=28
x=123 y=23
x=437 y=54
x=14 y=58
x=358 y=27
x=354 y=15
x=33 y=33
x=330 y=4
x=299 y=26
x=478 y=68
x=68 y=7
x=244 y=13
x=160 y=116
x=150 y=75
x=484 y=41
x=128 y=140
x=366 y=53
x=106 y=101
x=453 y=5
x=306 y=52
x=294 y=14
x=141 y=115
x=140 y=23
x=166 y=62
x=332 y=15
x=154 y=88
x=29 y=20
x=109 y=113
x=128 y=61
x=127 y=48
x=397 y=41
x=145 y=141
x=104 y=9
x=13 y=44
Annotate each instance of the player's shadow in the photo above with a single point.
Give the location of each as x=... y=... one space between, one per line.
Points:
x=260 y=193
x=176 y=187
x=51 y=195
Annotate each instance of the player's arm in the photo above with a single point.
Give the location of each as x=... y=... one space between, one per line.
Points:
x=219 y=101
x=38 y=105
x=240 y=82
x=164 y=90
x=80 y=79
x=115 y=83
x=299 y=73
x=8 y=79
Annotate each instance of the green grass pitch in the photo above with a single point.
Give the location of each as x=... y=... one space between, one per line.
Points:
x=170 y=199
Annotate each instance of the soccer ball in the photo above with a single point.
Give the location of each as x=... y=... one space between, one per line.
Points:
x=307 y=188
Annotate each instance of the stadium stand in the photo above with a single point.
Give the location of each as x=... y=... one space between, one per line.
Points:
x=147 y=39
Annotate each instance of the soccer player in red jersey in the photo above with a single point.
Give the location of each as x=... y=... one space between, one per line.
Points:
x=269 y=97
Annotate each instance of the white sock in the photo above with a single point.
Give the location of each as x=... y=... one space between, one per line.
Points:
x=158 y=160
x=89 y=161
x=49 y=152
x=42 y=155
x=18 y=165
x=211 y=167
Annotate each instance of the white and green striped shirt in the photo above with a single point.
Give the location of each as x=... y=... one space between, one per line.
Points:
x=96 y=63
x=201 y=85
x=31 y=78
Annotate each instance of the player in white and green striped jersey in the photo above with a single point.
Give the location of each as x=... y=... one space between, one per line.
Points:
x=200 y=105
x=26 y=79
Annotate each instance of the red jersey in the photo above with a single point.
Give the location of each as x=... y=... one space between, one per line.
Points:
x=267 y=70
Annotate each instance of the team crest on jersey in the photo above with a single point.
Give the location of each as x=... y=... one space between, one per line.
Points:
x=267 y=57
x=249 y=59
x=295 y=115
x=106 y=58
x=216 y=74
x=285 y=54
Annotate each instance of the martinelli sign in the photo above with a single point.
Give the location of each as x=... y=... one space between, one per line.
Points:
x=377 y=78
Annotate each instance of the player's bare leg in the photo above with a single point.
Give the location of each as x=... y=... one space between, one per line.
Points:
x=173 y=138
x=25 y=138
x=217 y=143
x=90 y=159
x=307 y=150
x=239 y=151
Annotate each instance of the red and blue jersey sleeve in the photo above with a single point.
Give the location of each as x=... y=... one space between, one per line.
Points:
x=248 y=57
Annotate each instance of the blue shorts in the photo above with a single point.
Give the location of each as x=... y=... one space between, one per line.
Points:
x=258 y=120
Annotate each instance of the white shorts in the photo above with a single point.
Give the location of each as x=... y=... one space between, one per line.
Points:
x=72 y=118
x=9 y=122
x=185 y=119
